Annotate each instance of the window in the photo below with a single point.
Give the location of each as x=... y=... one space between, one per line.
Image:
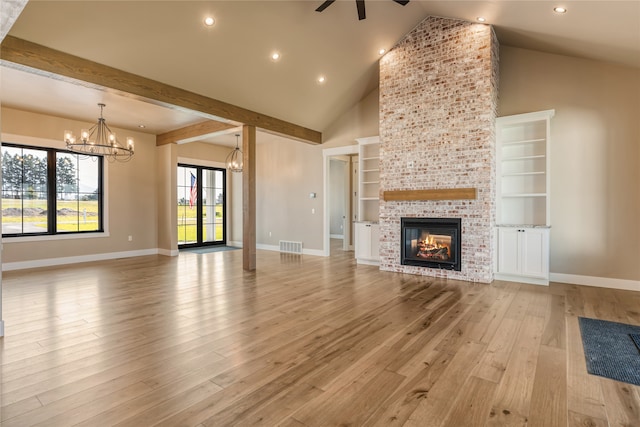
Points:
x=50 y=191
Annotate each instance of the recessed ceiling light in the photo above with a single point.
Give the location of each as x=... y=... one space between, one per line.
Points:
x=382 y=51
x=481 y=19
x=321 y=79
x=141 y=126
x=275 y=56
x=559 y=9
x=209 y=21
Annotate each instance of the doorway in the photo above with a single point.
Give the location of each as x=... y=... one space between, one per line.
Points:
x=340 y=202
x=342 y=209
x=201 y=206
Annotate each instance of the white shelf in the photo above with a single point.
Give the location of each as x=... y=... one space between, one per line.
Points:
x=371 y=158
x=524 y=195
x=370 y=182
x=368 y=199
x=538 y=156
x=370 y=170
x=523 y=173
x=524 y=141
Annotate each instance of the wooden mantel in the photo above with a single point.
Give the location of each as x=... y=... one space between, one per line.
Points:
x=436 y=194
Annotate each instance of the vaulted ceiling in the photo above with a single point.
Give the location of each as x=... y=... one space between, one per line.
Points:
x=230 y=61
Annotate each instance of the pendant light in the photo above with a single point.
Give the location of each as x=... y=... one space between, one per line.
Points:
x=234 y=159
x=100 y=140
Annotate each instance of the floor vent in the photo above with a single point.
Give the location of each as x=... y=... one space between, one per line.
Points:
x=290 y=247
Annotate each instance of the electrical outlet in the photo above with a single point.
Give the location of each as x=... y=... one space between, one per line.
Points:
x=131 y=238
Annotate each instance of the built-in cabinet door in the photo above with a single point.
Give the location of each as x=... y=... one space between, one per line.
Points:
x=523 y=251
x=535 y=258
x=508 y=250
x=363 y=240
x=367 y=242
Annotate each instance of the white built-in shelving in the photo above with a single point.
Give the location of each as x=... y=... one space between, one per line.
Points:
x=523 y=177
x=367 y=229
x=523 y=211
x=369 y=178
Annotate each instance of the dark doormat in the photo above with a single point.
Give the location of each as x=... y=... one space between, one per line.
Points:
x=610 y=350
x=636 y=339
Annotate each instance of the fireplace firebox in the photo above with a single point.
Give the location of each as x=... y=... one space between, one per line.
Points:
x=431 y=242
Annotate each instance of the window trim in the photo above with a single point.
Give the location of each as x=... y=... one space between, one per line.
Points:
x=51 y=148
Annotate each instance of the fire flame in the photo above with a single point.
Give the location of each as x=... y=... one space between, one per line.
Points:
x=434 y=248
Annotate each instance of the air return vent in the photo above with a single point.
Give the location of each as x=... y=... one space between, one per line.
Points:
x=290 y=247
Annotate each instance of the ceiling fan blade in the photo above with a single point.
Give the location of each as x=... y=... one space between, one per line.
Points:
x=361 y=13
x=324 y=5
x=402 y=2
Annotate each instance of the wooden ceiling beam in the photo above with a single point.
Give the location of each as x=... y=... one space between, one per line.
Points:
x=57 y=64
x=191 y=132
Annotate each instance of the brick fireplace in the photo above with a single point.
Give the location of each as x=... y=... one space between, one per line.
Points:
x=438 y=102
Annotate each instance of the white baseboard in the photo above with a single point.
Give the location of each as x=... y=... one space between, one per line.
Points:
x=1 y=328
x=367 y=261
x=264 y=247
x=168 y=252
x=314 y=252
x=20 y=265
x=521 y=279
x=601 y=282
x=276 y=248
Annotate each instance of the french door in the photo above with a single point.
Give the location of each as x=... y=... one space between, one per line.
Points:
x=201 y=206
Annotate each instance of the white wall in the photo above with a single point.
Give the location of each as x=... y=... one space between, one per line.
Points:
x=595 y=156
x=287 y=172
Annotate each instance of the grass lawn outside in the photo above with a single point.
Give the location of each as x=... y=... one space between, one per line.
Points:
x=187 y=224
x=82 y=215
x=72 y=215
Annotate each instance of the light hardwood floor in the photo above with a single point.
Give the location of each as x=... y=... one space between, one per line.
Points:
x=304 y=341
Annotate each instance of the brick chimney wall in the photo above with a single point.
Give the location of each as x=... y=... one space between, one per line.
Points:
x=438 y=105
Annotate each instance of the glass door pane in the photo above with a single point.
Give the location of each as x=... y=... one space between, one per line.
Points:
x=212 y=205
x=187 y=205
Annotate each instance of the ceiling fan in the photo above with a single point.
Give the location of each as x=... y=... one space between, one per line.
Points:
x=360 y=5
